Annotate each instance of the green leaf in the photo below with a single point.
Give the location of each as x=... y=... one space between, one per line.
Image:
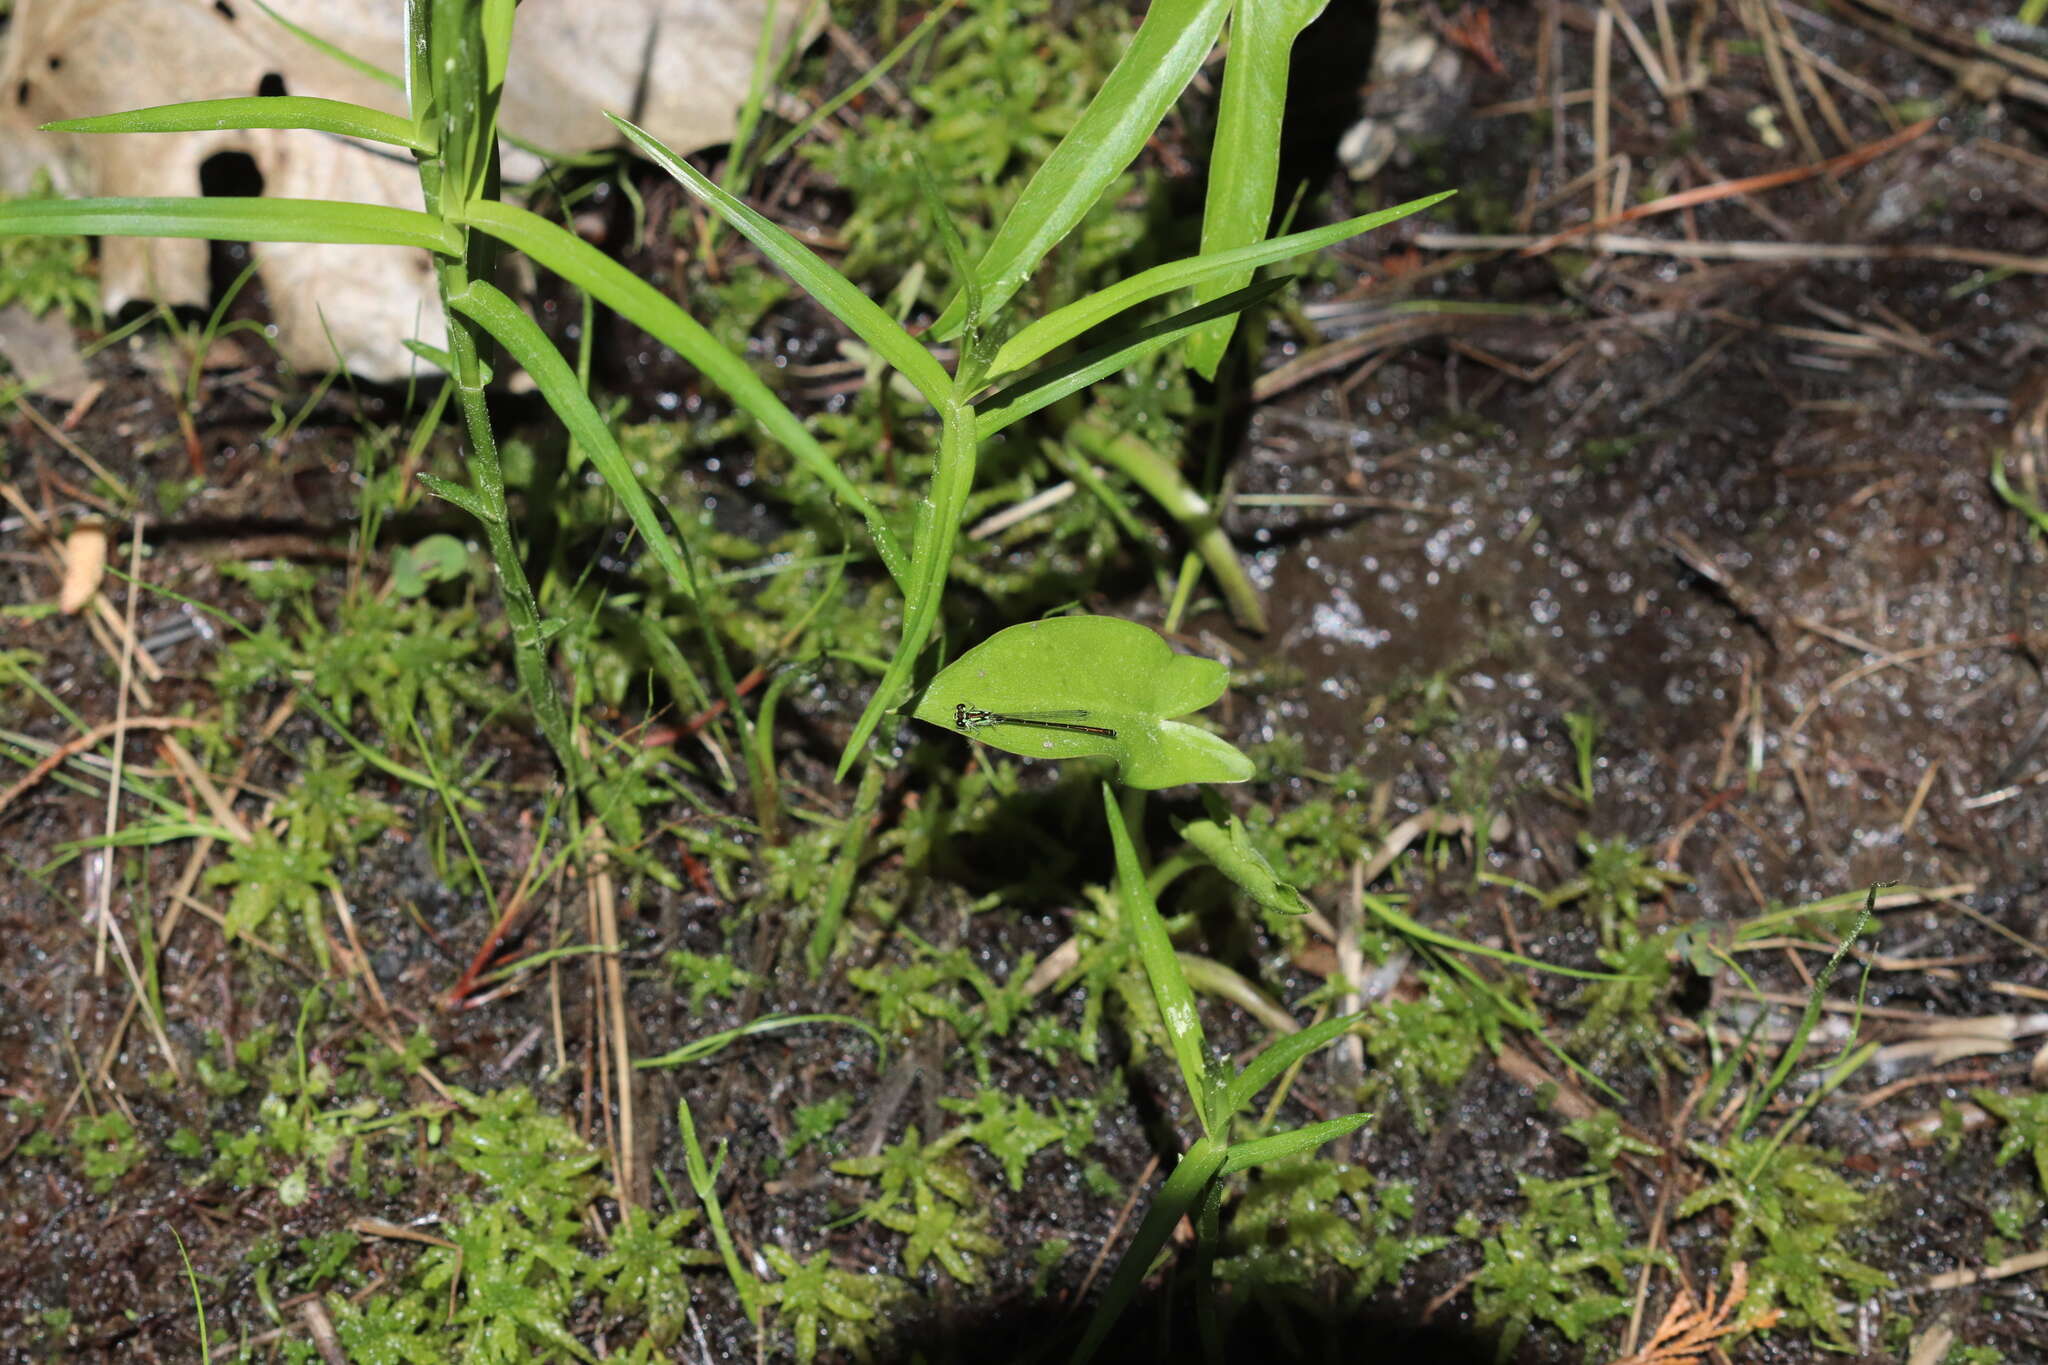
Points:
x=1027 y=396
x=1244 y=157
x=436 y=559
x=523 y=339
x=1401 y=923
x=1305 y=1139
x=838 y=294
x=349 y=59
x=1063 y=325
x=1280 y=1054
x=233 y=220
x=449 y=491
x=1124 y=677
x=1163 y=57
x=713 y=1044
x=443 y=361
x=1162 y=967
x=641 y=304
x=1229 y=849
x=255 y=111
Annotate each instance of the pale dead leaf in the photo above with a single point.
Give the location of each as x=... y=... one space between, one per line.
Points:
x=85 y=564
x=679 y=68
x=43 y=352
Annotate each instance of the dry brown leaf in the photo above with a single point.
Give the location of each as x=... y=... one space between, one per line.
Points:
x=1688 y=1331
x=679 y=68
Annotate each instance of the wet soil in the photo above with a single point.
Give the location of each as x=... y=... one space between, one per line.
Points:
x=1738 y=511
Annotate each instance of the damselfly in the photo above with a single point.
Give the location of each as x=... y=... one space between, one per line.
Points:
x=972 y=718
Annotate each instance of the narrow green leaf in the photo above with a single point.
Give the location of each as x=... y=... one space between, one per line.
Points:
x=713 y=1044
x=1121 y=677
x=852 y=92
x=497 y=36
x=441 y=360
x=1244 y=157
x=232 y=220
x=704 y=1180
x=345 y=57
x=830 y=288
x=2014 y=498
x=1027 y=396
x=1395 y=920
x=641 y=304
x=1162 y=967
x=449 y=491
x=975 y=353
x=524 y=341
x=1163 y=57
x=1277 y=1056
x=1063 y=325
x=1259 y=1151
x=255 y=111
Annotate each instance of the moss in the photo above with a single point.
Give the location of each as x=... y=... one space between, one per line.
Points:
x=1307 y=1225
x=1562 y=1260
x=1792 y=1212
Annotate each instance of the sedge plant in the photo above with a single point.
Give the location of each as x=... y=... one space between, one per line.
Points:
x=1005 y=368
x=1194 y=1189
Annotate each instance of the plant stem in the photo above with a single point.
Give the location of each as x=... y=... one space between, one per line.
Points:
x=522 y=610
x=1154 y=473
x=1180 y=1194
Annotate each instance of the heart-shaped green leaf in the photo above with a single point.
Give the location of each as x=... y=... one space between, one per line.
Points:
x=1075 y=686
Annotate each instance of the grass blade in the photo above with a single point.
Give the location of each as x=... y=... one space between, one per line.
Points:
x=1282 y=1053
x=1244 y=158
x=339 y=54
x=523 y=339
x=255 y=111
x=1259 y=1151
x=1056 y=328
x=641 y=304
x=1422 y=933
x=704 y=1180
x=232 y=220
x=1788 y=1060
x=710 y=1046
x=1027 y=396
x=1162 y=966
x=852 y=92
x=1162 y=58
x=837 y=293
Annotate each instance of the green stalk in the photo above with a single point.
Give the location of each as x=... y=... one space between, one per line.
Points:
x=931 y=553
x=487 y=487
x=1181 y=1193
x=451 y=90
x=1152 y=472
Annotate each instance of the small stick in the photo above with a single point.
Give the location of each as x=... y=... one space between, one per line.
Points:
x=1725 y=189
x=91 y=739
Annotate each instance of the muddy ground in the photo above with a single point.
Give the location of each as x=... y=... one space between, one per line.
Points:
x=1736 y=506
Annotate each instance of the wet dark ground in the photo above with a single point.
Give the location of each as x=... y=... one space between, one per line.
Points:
x=1738 y=511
